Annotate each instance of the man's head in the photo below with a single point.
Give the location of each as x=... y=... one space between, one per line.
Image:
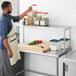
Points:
x=6 y=6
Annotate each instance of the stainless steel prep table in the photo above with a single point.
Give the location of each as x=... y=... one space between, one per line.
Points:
x=42 y=64
x=46 y=64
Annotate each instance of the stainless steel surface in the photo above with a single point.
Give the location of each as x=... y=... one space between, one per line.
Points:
x=50 y=53
x=39 y=72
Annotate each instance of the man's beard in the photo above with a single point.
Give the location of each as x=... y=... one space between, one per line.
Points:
x=9 y=12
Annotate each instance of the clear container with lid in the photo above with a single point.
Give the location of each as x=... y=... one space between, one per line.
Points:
x=65 y=43
x=36 y=22
x=33 y=12
x=25 y=20
x=42 y=22
x=38 y=18
x=55 y=44
x=28 y=20
x=45 y=18
x=34 y=6
x=45 y=14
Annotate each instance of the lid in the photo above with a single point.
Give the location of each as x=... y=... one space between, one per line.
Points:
x=39 y=12
x=45 y=12
x=26 y=14
x=34 y=5
x=54 y=40
x=66 y=39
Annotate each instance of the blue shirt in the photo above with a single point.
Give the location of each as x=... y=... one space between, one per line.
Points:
x=5 y=27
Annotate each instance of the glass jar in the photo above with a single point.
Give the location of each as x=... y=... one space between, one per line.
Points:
x=65 y=43
x=55 y=44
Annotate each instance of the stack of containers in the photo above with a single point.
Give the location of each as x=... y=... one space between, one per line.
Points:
x=59 y=44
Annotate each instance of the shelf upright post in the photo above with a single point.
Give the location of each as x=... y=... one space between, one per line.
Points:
x=64 y=39
x=70 y=37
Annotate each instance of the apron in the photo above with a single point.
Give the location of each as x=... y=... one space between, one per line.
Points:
x=12 y=40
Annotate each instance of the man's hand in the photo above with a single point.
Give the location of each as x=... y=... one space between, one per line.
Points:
x=10 y=54
x=29 y=9
x=25 y=12
x=9 y=51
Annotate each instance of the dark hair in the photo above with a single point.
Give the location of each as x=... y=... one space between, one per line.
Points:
x=5 y=4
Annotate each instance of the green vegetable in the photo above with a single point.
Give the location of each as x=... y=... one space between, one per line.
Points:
x=33 y=43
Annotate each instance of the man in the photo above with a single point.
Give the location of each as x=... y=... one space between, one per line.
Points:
x=5 y=28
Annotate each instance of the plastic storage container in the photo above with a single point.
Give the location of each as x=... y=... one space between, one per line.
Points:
x=33 y=12
x=34 y=6
x=25 y=22
x=55 y=44
x=38 y=18
x=42 y=22
x=45 y=18
x=65 y=43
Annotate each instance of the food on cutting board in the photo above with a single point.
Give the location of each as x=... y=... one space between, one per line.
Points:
x=39 y=41
x=36 y=46
x=35 y=42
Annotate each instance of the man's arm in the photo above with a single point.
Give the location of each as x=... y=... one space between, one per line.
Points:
x=9 y=51
x=24 y=13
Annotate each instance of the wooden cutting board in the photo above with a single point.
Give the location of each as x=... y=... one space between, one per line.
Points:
x=42 y=48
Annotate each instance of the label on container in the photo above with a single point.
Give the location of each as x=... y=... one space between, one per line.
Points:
x=36 y=22
x=42 y=22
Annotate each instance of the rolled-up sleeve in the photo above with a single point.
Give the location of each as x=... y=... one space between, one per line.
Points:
x=15 y=18
x=3 y=29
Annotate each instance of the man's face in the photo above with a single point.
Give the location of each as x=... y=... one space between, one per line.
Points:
x=9 y=9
